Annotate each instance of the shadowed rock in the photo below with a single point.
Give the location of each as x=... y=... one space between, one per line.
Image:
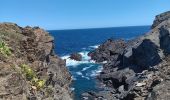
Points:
x=76 y=56
x=165 y=39
x=136 y=69
x=145 y=55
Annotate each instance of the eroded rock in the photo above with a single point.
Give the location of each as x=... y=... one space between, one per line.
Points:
x=76 y=56
x=137 y=69
x=34 y=48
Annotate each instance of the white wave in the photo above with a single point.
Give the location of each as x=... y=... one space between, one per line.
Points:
x=94 y=47
x=74 y=63
x=70 y=62
x=85 y=68
x=79 y=73
x=96 y=72
x=73 y=77
x=85 y=58
x=85 y=77
x=72 y=89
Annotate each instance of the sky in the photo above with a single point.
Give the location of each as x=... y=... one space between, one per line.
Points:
x=77 y=14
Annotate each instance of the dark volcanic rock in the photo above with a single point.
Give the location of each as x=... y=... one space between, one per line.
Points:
x=145 y=54
x=165 y=38
x=76 y=56
x=117 y=78
x=119 y=54
x=109 y=51
x=160 y=18
x=137 y=69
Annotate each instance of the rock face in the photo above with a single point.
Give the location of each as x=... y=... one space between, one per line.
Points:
x=145 y=54
x=110 y=50
x=135 y=69
x=160 y=18
x=29 y=68
x=76 y=56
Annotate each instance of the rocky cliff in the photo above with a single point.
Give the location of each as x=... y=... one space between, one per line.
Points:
x=137 y=69
x=160 y=18
x=29 y=68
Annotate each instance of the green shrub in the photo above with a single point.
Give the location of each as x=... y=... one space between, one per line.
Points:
x=4 y=49
x=28 y=72
x=32 y=77
x=40 y=84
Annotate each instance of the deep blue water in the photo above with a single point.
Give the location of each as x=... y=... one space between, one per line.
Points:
x=83 y=41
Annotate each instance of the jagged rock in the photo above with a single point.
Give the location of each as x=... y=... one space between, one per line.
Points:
x=160 y=92
x=102 y=95
x=33 y=47
x=160 y=18
x=137 y=69
x=145 y=54
x=109 y=51
x=76 y=56
x=165 y=38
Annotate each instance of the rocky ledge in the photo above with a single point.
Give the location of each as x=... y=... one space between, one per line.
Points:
x=137 y=69
x=29 y=69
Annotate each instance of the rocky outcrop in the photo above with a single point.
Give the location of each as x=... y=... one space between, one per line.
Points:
x=160 y=18
x=29 y=68
x=133 y=69
x=76 y=56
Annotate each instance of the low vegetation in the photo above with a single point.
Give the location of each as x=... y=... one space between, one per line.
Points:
x=32 y=77
x=4 y=49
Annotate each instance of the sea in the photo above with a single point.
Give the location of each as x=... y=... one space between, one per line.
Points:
x=83 y=41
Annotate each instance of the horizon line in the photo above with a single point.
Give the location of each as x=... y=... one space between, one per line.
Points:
x=95 y=28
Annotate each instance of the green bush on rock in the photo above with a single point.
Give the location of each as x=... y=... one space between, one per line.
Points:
x=32 y=77
x=4 y=49
x=28 y=72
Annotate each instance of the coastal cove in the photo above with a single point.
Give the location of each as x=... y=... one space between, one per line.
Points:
x=119 y=63
x=85 y=50
x=83 y=41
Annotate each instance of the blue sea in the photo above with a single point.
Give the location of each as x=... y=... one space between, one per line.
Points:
x=82 y=41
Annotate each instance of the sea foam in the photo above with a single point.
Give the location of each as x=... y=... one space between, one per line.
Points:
x=85 y=68
x=85 y=60
x=74 y=63
x=94 y=47
x=96 y=72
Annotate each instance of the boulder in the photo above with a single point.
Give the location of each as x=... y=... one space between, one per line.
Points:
x=145 y=55
x=76 y=56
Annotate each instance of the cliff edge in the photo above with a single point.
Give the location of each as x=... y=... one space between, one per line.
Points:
x=137 y=69
x=29 y=68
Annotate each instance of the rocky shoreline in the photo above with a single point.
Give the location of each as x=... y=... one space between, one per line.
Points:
x=137 y=69
x=29 y=68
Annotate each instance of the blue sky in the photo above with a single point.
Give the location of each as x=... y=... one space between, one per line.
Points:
x=73 y=14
